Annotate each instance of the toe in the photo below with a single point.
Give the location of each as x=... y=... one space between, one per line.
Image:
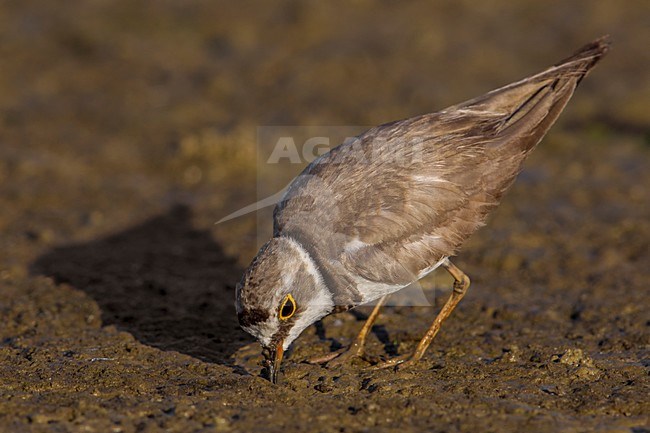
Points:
x=342 y=356
x=407 y=364
x=328 y=357
x=391 y=363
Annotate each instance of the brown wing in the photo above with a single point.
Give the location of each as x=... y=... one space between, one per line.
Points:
x=404 y=195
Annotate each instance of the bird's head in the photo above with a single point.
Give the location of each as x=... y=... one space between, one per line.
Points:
x=281 y=293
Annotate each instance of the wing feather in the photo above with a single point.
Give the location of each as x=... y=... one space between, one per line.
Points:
x=404 y=195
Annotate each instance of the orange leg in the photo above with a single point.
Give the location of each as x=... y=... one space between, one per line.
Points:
x=461 y=284
x=356 y=349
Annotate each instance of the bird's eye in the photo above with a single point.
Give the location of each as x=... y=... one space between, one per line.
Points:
x=287 y=308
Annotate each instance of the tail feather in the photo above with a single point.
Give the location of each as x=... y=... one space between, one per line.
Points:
x=530 y=107
x=526 y=111
x=508 y=99
x=586 y=57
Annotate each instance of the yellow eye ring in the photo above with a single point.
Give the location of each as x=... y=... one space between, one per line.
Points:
x=287 y=308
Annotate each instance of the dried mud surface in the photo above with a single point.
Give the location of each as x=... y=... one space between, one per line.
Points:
x=128 y=128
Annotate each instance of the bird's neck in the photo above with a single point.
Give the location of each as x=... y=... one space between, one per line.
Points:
x=340 y=285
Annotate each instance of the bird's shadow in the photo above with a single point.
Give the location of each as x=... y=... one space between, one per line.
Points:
x=164 y=281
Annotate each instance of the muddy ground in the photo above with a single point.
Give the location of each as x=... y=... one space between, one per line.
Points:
x=128 y=128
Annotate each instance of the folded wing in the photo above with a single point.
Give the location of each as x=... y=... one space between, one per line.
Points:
x=393 y=202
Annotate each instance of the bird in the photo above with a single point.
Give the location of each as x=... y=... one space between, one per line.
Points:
x=385 y=208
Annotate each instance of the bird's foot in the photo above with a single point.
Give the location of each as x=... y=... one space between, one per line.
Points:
x=399 y=362
x=324 y=359
x=342 y=356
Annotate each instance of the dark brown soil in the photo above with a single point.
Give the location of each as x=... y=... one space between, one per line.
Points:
x=128 y=128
